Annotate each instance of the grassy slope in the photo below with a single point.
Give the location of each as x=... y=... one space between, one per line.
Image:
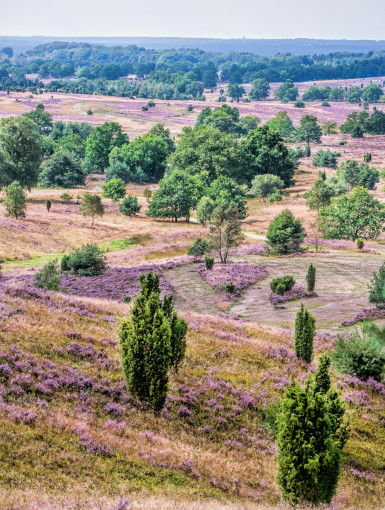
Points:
x=170 y=456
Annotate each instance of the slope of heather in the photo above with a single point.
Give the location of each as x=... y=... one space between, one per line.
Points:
x=70 y=430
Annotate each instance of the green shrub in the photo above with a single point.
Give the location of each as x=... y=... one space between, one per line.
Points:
x=304 y=335
x=325 y=158
x=271 y=416
x=48 y=204
x=144 y=108
x=209 y=262
x=310 y=278
x=360 y=244
x=285 y=282
x=361 y=354
x=280 y=289
x=147 y=193
x=152 y=341
x=66 y=196
x=151 y=104
x=88 y=260
x=127 y=299
x=307 y=151
x=114 y=189
x=129 y=205
x=146 y=346
x=285 y=233
x=275 y=197
x=312 y=433
x=228 y=287
x=368 y=157
x=377 y=288
x=15 y=201
x=343 y=142
x=48 y=277
x=299 y=104
x=325 y=103
x=199 y=248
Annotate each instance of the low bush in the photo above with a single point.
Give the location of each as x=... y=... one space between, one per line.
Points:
x=362 y=354
x=88 y=260
x=360 y=244
x=199 y=248
x=377 y=288
x=48 y=277
x=209 y=262
x=229 y=288
x=129 y=205
x=282 y=282
x=325 y=158
x=66 y=196
x=275 y=197
x=299 y=104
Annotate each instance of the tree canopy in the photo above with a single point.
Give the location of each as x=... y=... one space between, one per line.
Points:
x=354 y=216
x=20 y=151
x=263 y=152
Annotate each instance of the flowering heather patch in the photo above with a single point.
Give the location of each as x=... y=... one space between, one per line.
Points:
x=248 y=249
x=366 y=314
x=359 y=398
x=115 y=283
x=364 y=476
x=338 y=244
x=297 y=292
x=241 y=275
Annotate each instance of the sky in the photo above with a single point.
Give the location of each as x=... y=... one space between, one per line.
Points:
x=255 y=19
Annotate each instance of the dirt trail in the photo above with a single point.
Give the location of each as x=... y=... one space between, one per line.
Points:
x=191 y=292
x=341 y=288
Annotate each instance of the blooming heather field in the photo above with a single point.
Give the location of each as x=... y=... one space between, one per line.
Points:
x=71 y=437
x=173 y=114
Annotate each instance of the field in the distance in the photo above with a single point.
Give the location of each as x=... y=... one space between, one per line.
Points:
x=173 y=114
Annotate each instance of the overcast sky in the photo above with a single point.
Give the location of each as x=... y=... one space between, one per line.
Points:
x=328 y=19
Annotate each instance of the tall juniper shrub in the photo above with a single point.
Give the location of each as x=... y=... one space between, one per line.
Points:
x=152 y=341
x=310 y=278
x=304 y=334
x=311 y=435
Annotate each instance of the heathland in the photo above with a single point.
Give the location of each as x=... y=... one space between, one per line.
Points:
x=71 y=435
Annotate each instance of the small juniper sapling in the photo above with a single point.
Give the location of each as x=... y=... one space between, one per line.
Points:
x=304 y=334
x=48 y=204
x=310 y=278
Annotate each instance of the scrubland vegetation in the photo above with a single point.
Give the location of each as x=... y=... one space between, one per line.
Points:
x=192 y=317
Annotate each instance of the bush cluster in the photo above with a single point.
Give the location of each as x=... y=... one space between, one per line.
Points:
x=282 y=284
x=362 y=354
x=88 y=260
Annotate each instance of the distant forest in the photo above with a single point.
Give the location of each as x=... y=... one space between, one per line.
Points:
x=262 y=47
x=168 y=73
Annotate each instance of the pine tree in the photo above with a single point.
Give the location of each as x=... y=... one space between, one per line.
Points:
x=310 y=278
x=304 y=334
x=146 y=345
x=310 y=445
